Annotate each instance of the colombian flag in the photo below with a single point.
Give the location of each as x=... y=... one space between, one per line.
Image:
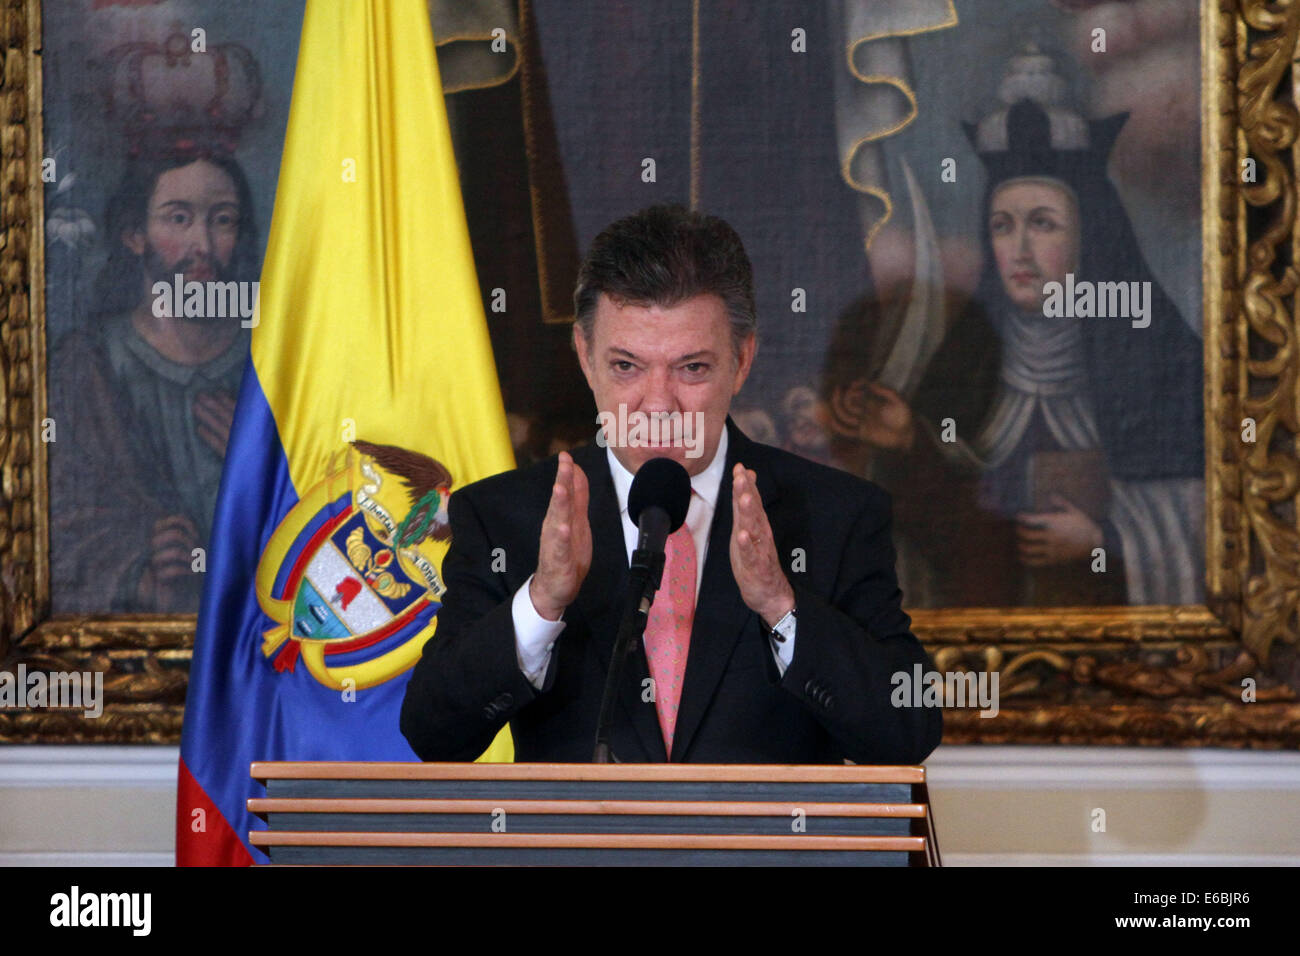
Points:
x=369 y=396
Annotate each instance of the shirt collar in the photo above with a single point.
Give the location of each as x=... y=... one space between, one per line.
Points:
x=705 y=484
x=213 y=370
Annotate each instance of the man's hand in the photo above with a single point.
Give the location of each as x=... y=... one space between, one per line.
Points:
x=168 y=581
x=1057 y=537
x=214 y=416
x=754 y=562
x=564 y=552
x=872 y=413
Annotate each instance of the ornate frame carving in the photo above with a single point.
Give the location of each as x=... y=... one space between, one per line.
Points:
x=1158 y=676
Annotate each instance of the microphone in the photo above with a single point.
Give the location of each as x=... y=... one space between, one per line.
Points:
x=657 y=504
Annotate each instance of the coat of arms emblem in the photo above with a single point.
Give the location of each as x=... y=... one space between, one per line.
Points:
x=352 y=587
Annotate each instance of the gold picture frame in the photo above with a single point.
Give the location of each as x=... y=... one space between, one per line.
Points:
x=1152 y=676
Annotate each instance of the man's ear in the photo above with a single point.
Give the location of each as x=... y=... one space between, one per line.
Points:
x=584 y=356
x=134 y=240
x=748 y=349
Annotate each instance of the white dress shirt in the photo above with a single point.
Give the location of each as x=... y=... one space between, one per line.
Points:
x=535 y=635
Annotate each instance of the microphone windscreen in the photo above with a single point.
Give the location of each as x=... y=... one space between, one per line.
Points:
x=662 y=482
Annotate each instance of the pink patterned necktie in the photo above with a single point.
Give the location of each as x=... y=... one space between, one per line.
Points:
x=668 y=628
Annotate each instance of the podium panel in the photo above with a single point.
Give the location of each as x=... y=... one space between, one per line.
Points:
x=589 y=814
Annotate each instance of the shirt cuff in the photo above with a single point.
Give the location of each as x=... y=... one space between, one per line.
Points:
x=784 y=650
x=534 y=636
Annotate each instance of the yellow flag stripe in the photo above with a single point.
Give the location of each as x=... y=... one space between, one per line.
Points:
x=369 y=294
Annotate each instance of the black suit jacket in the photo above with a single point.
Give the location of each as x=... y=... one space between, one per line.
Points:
x=832 y=704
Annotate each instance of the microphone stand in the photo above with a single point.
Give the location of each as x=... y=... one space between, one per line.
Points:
x=644 y=578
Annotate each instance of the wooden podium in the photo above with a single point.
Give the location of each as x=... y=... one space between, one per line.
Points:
x=594 y=814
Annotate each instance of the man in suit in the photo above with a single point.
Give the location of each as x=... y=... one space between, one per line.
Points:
x=786 y=656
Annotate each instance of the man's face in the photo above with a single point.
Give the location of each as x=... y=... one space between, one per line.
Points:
x=655 y=360
x=191 y=227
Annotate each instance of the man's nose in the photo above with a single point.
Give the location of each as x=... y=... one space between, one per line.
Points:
x=201 y=239
x=659 y=395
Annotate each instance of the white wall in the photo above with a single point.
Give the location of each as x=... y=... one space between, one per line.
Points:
x=1024 y=806
x=993 y=806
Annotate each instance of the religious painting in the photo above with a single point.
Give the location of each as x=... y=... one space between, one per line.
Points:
x=1025 y=372
x=163 y=127
x=1024 y=264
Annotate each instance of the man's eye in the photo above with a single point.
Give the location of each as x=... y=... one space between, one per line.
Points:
x=696 y=368
x=622 y=365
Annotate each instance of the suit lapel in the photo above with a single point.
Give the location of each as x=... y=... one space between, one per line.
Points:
x=720 y=612
x=598 y=601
